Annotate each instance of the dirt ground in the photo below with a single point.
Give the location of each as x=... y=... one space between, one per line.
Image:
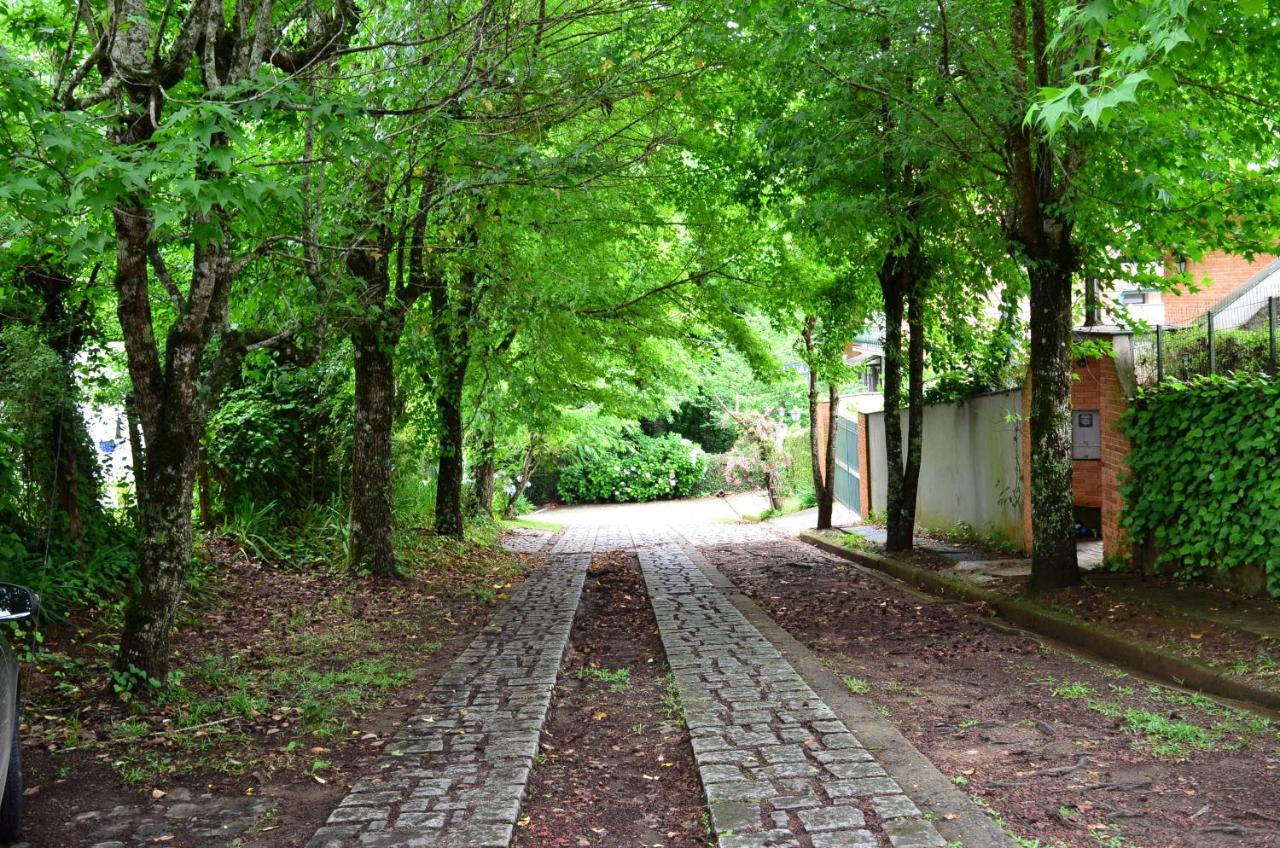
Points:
x=1061 y=750
x=1247 y=656
x=1198 y=621
x=615 y=767
x=291 y=682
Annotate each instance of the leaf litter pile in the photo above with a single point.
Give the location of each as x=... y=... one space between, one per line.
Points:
x=615 y=766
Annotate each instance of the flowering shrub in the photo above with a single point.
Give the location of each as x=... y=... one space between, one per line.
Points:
x=640 y=468
x=755 y=458
x=713 y=477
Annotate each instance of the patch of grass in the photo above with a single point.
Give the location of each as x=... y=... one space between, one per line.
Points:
x=790 y=504
x=856 y=685
x=1261 y=664
x=857 y=542
x=1142 y=715
x=965 y=535
x=530 y=524
x=617 y=680
x=1166 y=737
x=671 y=699
x=1072 y=691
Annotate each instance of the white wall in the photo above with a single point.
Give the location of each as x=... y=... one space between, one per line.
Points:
x=971 y=465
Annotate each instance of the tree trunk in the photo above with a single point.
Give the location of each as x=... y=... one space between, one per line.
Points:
x=901 y=282
x=452 y=316
x=449 y=480
x=772 y=485
x=822 y=480
x=166 y=402
x=827 y=502
x=899 y=537
x=915 y=397
x=171 y=405
x=482 y=490
x=372 y=545
x=526 y=471
x=771 y=488
x=1053 y=547
x=164 y=557
x=815 y=456
x=1042 y=229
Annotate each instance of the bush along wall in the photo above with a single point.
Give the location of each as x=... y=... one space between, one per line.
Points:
x=638 y=468
x=1203 y=487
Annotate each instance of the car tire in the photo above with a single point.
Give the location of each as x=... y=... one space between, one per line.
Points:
x=11 y=803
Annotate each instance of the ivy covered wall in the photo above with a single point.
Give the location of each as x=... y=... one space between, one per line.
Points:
x=1203 y=489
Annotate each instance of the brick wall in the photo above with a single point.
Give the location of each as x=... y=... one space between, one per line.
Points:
x=1115 y=447
x=1086 y=474
x=1225 y=272
x=1095 y=483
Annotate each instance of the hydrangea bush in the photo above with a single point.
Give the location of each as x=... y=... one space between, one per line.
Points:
x=638 y=468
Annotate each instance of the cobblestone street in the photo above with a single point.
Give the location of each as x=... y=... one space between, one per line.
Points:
x=778 y=766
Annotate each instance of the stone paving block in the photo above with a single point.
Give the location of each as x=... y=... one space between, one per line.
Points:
x=845 y=839
x=913 y=832
x=855 y=769
x=832 y=818
x=895 y=807
x=862 y=787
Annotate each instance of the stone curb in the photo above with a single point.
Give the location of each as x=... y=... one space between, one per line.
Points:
x=958 y=819
x=1095 y=639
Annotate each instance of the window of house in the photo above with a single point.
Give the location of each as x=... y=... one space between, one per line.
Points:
x=871 y=377
x=1133 y=298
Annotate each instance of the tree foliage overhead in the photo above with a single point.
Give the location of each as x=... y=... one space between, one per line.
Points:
x=351 y=264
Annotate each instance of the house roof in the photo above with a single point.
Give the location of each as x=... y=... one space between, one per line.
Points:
x=1102 y=330
x=1237 y=308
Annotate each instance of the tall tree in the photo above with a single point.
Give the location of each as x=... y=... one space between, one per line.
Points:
x=127 y=60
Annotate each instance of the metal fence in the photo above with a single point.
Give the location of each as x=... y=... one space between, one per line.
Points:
x=1238 y=337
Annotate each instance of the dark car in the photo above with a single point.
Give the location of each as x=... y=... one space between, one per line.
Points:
x=16 y=604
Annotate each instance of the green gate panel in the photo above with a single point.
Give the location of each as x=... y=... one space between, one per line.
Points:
x=847 y=471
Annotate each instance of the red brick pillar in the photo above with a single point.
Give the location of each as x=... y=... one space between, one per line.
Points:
x=1115 y=447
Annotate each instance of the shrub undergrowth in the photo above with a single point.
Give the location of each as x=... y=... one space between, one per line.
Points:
x=637 y=468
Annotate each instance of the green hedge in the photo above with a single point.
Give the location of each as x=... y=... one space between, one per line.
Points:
x=1204 y=475
x=637 y=468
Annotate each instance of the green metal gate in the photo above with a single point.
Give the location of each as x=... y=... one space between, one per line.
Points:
x=847 y=471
